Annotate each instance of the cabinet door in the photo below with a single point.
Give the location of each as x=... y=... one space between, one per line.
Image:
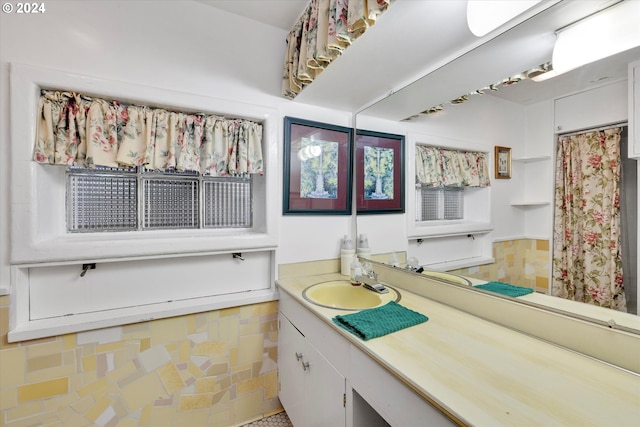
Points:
x=325 y=388
x=291 y=376
x=311 y=389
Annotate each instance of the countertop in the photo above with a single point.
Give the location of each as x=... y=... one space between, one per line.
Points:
x=582 y=309
x=485 y=374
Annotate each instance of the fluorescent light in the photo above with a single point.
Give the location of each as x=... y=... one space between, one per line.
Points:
x=484 y=16
x=606 y=33
x=545 y=76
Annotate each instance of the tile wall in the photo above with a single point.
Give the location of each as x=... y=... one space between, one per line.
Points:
x=211 y=369
x=523 y=262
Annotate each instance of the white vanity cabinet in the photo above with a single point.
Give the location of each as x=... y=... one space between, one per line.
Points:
x=342 y=385
x=311 y=390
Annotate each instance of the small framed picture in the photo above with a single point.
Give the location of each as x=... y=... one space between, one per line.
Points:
x=317 y=168
x=379 y=173
x=502 y=162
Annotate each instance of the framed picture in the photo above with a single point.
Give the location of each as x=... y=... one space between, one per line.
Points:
x=379 y=173
x=503 y=162
x=317 y=168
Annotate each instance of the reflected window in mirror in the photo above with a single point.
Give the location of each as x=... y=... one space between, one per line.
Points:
x=442 y=175
x=439 y=203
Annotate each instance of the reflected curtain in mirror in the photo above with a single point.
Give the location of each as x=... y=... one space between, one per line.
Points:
x=441 y=167
x=325 y=29
x=587 y=260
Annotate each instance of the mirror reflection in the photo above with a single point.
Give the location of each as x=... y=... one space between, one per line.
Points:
x=613 y=319
x=508 y=232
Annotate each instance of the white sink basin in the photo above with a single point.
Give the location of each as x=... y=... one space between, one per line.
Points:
x=447 y=277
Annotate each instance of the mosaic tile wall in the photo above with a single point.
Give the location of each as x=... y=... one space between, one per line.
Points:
x=523 y=262
x=210 y=369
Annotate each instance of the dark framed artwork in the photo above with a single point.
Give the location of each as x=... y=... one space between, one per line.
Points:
x=379 y=172
x=502 y=162
x=317 y=168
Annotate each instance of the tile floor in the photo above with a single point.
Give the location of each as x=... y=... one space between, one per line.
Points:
x=278 y=420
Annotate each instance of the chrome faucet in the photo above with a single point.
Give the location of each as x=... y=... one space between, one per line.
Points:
x=372 y=283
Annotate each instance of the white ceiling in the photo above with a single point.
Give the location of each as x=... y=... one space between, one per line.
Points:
x=422 y=54
x=282 y=14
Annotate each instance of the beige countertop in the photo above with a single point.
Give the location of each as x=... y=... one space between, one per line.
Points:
x=488 y=375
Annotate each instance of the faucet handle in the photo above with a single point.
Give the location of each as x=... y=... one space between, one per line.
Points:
x=367 y=270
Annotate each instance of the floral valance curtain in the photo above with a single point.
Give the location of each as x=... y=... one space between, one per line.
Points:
x=440 y=167
x=325 y=29
x=77 y=129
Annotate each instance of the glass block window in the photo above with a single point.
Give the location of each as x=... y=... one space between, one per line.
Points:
x=170 y=203
x=227 y=203
x=113 y=199
x=439 y=203
x=105 y=200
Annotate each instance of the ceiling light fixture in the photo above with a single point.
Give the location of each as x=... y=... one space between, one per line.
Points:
x=484 y=16
x=598 y=36
x=535 y=71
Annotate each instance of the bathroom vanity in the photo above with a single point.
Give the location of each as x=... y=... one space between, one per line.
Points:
x=455 y=369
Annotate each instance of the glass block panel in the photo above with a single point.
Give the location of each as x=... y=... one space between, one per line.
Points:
x=170 y=203
x=430 y=202
x=453 y=203
x=437 y=203
x=228 y=203
x=101 y=202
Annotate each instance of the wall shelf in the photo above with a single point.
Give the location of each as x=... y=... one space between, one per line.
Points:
x=529 y=203
x=534 y=202
x=531 y=159
x=457 y=228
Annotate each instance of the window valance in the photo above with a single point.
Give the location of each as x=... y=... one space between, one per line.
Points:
x=76 y=129
x=325 y=29
x=441 y=167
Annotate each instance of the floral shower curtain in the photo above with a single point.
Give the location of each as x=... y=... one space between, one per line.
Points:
x=77 y=129
x=438 y=167
x=587 y=263
x=325 y=29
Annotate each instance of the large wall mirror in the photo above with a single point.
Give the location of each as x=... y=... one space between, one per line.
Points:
x=509 y=117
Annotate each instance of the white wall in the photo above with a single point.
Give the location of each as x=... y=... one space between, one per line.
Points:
x=173 y=45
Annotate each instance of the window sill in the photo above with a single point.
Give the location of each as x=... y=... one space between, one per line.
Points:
x=83 y=322
x=101 y=247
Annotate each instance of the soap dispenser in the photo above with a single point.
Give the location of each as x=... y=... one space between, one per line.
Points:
x=346 y=256
x=356 y=271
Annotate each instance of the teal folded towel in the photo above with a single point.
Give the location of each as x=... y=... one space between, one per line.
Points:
x=379 y=321
x=505 y=289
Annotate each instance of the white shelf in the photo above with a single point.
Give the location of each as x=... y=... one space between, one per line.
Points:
x=531 y=159
x=530 y=203
x=461 y=263
x=458 y=228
